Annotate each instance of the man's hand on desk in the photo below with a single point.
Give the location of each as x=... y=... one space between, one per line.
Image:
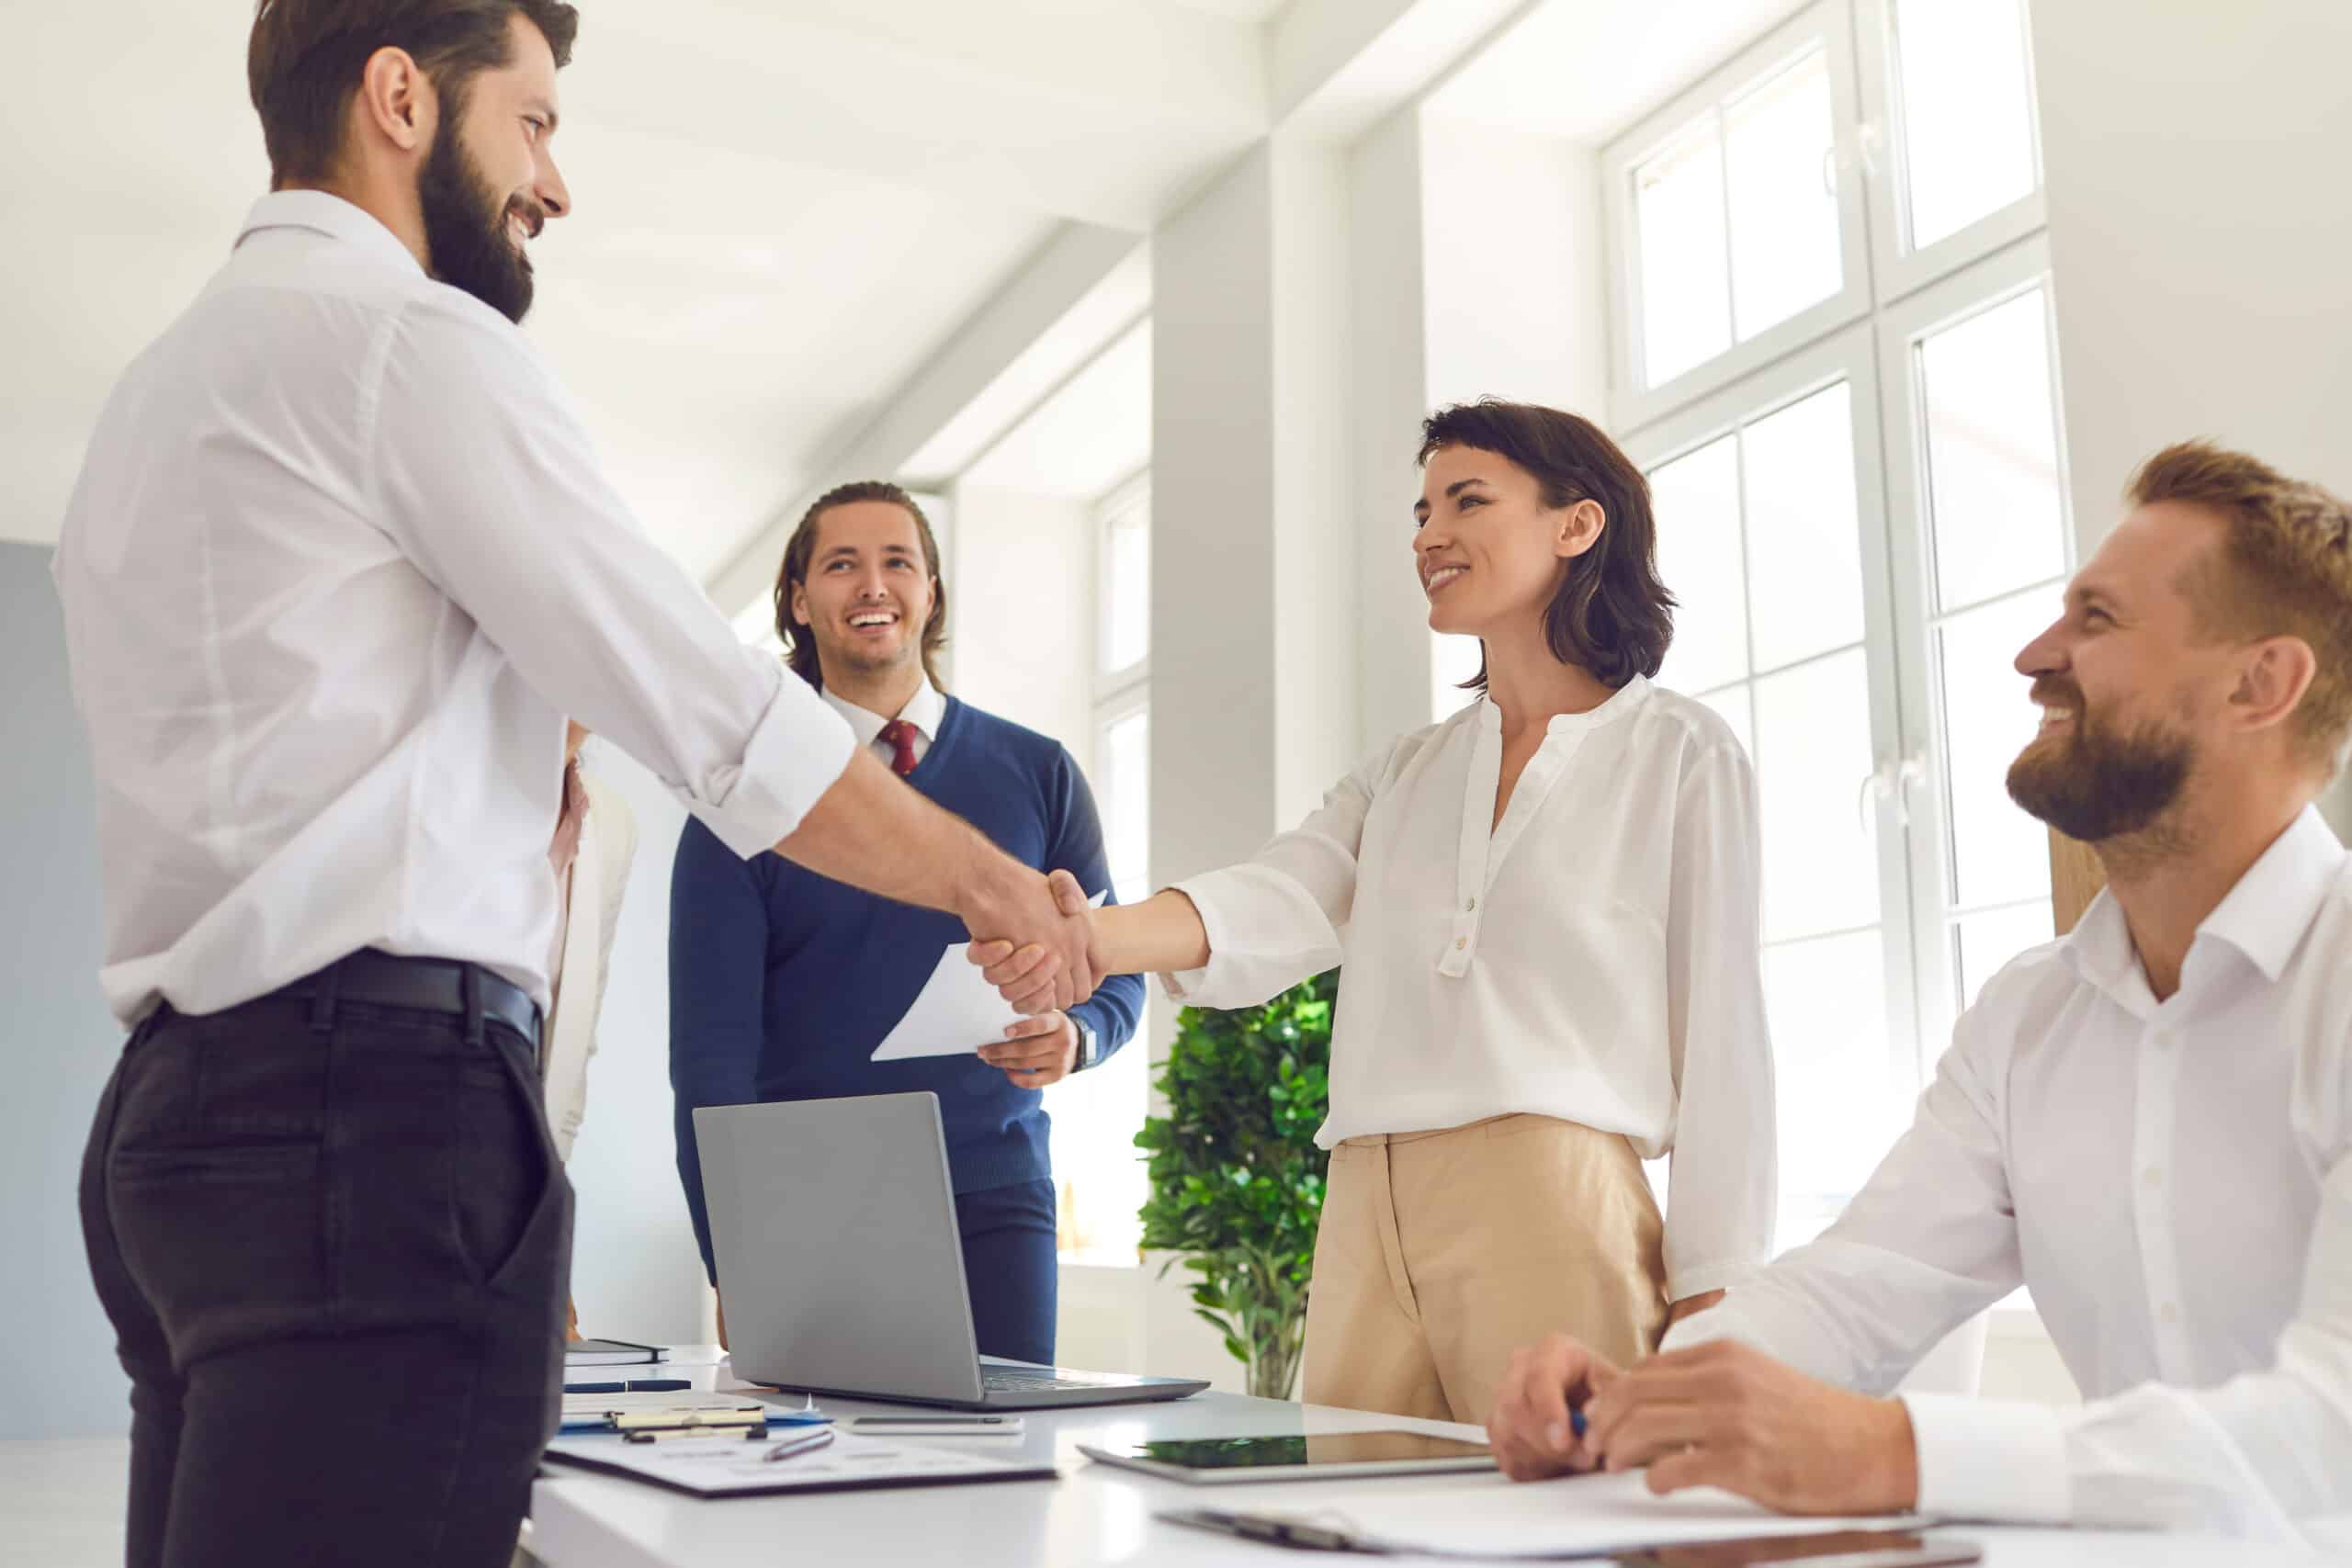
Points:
x=1717 y=1415
x=1028 y=944
x=1037 y=1051
x=1726 y=1415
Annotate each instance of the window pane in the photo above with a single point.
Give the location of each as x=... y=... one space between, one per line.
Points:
x=1826 y=1002
x=1987 y=941
x=1686 y=290
x=1967 y=111
x=1813 y=754
x=1737 y=705
x=1804 y=549
x=1993 y=453
x=1998 y=853
x=1777 y=142
x=1126 y=588
x=1125 y=803
x=1696 y=501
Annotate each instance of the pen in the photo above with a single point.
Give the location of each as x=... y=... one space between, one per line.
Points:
x=635 y=1385
x=805 y=1442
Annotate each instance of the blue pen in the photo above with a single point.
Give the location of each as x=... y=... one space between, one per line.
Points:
x=635 y=1385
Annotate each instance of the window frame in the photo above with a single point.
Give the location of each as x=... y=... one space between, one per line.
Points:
x=1959 y=295
x=1900 y=269
x=1826 y=24
x=1112 y=507
x=1849 y=355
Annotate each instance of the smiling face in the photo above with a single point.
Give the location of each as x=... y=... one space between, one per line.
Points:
x=1489 y=552
x=868 y=593
x=2133 y=698
x=490 y=185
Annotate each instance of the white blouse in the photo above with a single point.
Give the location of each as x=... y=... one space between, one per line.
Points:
x=1594 y=957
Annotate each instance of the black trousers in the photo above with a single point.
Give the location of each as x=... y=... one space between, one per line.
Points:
x=334 y=1240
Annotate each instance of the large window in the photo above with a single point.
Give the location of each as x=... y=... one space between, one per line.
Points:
x=1831 y=307
x=1097 y=1114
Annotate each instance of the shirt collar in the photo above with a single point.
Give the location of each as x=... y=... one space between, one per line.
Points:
x=1615 y=705
x=331 y=216
x=2264 y=917
x=923 y=710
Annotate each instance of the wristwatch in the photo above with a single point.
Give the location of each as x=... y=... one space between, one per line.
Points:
x=1090 y=1049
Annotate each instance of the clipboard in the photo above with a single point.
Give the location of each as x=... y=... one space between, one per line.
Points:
x=719 y=1468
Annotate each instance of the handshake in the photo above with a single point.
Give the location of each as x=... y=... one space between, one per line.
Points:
x=1047 y=958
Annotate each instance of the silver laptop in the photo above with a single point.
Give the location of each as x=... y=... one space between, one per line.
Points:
x=834 y=1229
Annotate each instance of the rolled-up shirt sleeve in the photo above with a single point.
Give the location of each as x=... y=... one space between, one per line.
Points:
x=1282 y=916
x=484 y=473
x=1724 y=1175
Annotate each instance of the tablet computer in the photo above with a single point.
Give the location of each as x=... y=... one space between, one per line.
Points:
x=1295 y=1457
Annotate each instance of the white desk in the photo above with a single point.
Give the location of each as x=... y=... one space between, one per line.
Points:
x=1095 y=1514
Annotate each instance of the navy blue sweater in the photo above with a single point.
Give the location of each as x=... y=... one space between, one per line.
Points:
x=781 y=982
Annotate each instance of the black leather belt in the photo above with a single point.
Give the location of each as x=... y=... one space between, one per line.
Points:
x=431 y=985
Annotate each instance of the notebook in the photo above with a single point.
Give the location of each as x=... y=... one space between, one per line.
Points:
x=609 y=1353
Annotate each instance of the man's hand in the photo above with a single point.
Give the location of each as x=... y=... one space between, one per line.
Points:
x=1037 y=1051
x=1726 y=1415
x=1030 y=946
x=1532 y=1429
x=1028 y=976
x=570 y=1321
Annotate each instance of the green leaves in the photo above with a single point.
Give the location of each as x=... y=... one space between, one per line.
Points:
x=1237 y=1180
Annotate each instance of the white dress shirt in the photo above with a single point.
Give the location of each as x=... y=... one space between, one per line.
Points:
x=2173 y=1181
x=1593 y=957
x=923 y=710
x=340 y=562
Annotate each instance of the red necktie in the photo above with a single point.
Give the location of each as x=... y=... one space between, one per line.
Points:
x=901 y=736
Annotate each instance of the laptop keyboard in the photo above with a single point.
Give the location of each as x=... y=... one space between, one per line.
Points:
x=1030 y=1382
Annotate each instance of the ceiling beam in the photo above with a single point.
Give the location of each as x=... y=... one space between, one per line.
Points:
x=984 y=364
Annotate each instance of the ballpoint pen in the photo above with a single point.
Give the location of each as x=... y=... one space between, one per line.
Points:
x=799 y=1443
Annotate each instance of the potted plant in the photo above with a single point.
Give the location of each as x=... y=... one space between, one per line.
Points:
x=1237 y=1181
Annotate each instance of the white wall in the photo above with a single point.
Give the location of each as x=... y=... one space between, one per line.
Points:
x=1020 y=607
x=635 y=1272
x=56 y=1037
x=2199 y=219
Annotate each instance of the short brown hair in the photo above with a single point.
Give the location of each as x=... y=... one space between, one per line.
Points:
x=303 y=62
x=2284 y=569
x=800 y=645
x=1611 y=616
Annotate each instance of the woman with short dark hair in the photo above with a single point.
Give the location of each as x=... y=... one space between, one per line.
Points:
x=1545 y=909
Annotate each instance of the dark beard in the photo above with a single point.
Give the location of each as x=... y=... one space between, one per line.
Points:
x=2102 y=785
x=465 y=229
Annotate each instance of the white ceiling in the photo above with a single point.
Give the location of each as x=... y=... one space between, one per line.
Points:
x=784 y=206
x=1587 y=69
x=788 y=209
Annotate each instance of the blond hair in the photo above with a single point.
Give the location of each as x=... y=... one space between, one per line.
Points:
x=2284 y=569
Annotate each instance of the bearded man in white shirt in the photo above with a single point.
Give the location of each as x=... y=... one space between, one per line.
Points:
x=340 y=561
x=2147 y=1123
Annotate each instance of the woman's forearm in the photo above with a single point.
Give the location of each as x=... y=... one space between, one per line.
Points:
x=1161 y=935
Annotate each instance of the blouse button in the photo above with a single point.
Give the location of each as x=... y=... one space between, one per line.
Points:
x=1460 y=942
x=1471 y=907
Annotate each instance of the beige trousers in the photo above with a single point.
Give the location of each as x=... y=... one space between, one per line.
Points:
x=1442 y=1253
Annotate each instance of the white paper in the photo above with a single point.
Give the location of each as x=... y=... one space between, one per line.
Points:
x=715 y=1466
x=956 y=1013
x=1488 y=1517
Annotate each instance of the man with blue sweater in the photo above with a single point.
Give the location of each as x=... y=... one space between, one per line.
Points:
x=781 y=982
